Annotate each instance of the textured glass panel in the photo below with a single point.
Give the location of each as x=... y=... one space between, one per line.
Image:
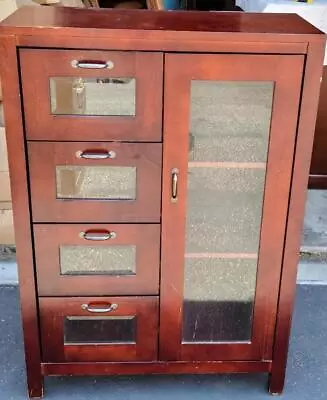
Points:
x=224 y=210
x=218 y=300
x=104 y=260
x=228 y=146
x=78 y=330
x=92 y=96
x=101 y=182
x=230 y=121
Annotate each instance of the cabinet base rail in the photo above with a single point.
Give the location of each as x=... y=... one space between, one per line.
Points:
x=139 y=368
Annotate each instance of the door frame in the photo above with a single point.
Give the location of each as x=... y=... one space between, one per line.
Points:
x=180 y=69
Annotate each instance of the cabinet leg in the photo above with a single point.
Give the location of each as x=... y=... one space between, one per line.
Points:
x=276 y=382
x=35 y=387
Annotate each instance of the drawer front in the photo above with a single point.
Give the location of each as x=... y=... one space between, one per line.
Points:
x=99 y=329
x=86 y=260
x=95 y=182
x=92 y=95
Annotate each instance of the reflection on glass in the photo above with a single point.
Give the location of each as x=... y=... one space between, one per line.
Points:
x=92 y=96
x=100 y=182
x=228 y=145
x=230 y=121
x=224 y=210
x=219 y=297
x=104 y=260
x=102 y=330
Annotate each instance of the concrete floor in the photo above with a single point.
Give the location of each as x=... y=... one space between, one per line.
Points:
x=306 y=372
x=313 y=265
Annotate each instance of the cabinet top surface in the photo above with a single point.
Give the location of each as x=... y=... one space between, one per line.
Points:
x=31 y=20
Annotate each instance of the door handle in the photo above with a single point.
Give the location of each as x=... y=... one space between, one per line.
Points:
x=174 y=185
x=88 y=64
x=96 y=155
x=108 y=308
x=98 y=236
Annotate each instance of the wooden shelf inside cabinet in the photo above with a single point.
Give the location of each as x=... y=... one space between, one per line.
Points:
x=226 y=164
x=159 y=175
x=228 y=256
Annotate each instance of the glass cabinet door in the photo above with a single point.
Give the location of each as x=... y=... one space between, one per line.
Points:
x=226 y=201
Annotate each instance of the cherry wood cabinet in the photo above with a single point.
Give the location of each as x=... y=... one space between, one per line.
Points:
x=158 y=163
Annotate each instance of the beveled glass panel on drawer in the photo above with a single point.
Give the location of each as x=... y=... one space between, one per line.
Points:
x=90 y=95
x=92 y=260
x=93 y=96
x=101 y=182
x=75 y=182
x=97 y=259
x=84 y=329
x=104 y=330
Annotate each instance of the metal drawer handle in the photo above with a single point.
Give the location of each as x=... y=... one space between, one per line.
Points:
x=174 y=185
x=109 y=308
x=96 y=155
x=98 y=236
x=88 y=64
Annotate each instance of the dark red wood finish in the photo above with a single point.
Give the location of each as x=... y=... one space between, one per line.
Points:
x=54 y=310
x=286 y=72
x=38 y=66
x=172 y=41
x=195 y=367
x=153 y=30
x=49 y=239
x=46 y=207
x=45 y=28
x=20 y=200
x=305 y=136
x=97 y=23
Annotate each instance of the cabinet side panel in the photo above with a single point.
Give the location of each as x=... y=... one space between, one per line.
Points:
x=19 y=189
x=307 y=117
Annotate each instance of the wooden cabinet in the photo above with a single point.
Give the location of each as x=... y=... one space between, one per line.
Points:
x=158 y=185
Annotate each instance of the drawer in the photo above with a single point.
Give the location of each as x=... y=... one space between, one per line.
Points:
x=95 y=182
x=92 y=95
x=99 y=329
x=85 y=260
